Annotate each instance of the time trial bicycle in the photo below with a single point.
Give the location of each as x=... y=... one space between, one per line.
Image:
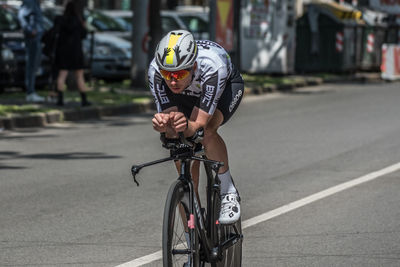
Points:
x=192 y=235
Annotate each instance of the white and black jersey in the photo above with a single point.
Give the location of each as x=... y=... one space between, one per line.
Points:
x=214 y=71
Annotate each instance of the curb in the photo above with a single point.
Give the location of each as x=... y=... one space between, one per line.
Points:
x=87 y=113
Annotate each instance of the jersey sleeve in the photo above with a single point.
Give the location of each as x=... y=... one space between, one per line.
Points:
x=213 y=84
x=161 y=94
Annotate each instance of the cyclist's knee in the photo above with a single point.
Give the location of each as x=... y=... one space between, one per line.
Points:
x=209 y=135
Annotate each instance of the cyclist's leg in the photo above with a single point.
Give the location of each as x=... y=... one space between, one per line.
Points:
x=195 y=176
x=216 y=149
x=213 y=143
x=228 y=103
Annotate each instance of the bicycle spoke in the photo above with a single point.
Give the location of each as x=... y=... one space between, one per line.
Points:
x=179 y=241
x=180 y=247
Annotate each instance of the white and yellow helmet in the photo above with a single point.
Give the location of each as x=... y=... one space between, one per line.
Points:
x=176 y=51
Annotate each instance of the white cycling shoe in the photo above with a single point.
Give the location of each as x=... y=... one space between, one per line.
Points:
x=230 y=208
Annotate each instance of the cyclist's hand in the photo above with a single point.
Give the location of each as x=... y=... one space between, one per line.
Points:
x=178 y=121
x=160 y=122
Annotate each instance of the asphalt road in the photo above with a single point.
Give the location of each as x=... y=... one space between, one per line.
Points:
x=67 y=199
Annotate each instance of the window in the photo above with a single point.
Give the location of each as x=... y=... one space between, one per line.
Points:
x=168 y=24
x=8 y=22
x=194 y=23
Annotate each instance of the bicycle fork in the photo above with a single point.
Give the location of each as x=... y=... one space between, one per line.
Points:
x=190 y=237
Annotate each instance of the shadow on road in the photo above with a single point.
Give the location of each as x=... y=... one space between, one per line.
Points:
x=10 y=155
x=7 y=155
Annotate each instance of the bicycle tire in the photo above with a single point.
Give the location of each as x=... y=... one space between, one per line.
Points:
x=175 y=227
x=232 y=257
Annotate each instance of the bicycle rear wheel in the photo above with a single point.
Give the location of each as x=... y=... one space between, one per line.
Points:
x=178 y=248
x=232 y=257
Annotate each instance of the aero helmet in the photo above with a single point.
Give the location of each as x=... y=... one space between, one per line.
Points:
x=176 y=51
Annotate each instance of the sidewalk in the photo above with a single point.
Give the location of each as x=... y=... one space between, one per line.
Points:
x=254 y=85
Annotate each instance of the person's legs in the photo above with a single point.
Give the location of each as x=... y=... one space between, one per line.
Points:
x=32 y=51
x=215 y=149
x=61 y=78
x=37 y=59
x=214 y=145
x=80 y=80
x=29 y=65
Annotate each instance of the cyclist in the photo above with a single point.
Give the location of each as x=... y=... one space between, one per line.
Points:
x=195 y=86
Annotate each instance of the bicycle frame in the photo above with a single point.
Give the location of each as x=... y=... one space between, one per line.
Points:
x=207 y=237
x=185 y=154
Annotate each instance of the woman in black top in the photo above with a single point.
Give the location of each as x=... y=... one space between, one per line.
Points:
x=69 y=54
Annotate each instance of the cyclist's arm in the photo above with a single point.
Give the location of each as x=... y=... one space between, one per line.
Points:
x=200 y=121
x=187 y=126
x=162 y=122
x=162 y=96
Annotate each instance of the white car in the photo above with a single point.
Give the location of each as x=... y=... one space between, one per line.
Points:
x=111 y=57
x=191 y=20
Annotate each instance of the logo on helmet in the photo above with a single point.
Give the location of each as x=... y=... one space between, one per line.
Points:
x=190 y=46
x=173 y=39
x=176 y=51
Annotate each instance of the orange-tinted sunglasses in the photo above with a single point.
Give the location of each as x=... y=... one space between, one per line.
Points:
x=177 y=75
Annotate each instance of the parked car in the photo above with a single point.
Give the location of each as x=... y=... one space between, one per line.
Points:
x=196 y=18
x=96 y=21
x=8 y=66
x=111 y=57
x=193 y=20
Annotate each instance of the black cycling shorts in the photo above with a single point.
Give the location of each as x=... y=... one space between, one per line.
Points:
x=231 y=96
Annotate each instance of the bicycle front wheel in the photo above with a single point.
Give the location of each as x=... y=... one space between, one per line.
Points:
x=179 y=248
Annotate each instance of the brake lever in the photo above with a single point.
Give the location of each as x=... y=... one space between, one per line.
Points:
x=135 y=170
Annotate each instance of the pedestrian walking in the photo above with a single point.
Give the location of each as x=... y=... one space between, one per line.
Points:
x=31 y=19
x=69 y=53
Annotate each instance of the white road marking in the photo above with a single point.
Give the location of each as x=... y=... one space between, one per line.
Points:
x=143 y=260
x=285 y=209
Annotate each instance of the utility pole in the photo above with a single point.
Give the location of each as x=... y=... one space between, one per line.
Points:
x=212 y=19
x=140 y=39
x=155 y=31
x=236 y=32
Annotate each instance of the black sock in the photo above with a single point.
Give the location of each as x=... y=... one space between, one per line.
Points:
x=84 y=100
x=60 y=98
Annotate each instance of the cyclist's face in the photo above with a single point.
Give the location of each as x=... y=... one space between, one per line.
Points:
x=177 y=86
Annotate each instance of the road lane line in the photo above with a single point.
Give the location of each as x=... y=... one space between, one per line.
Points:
x=285 y=209
x=320 y=195
x=143 y=260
